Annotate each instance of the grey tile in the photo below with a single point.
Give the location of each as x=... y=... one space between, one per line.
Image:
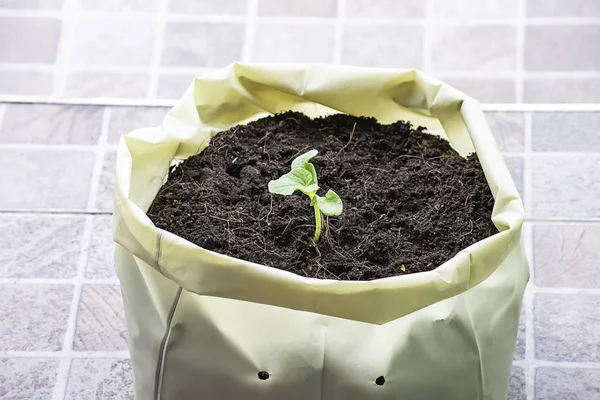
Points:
x=101 y=320
x=385 y=8
x=32 y=4
x=467 y=48
x=567 y=255
x=393 y=46
x=120 y=5
x=566 y=132
x=101 y=253
x=515 y=166
x=293 y=43
x=562 y=48
x=566 y=187
x=125 y=119
x=561 y=8
x=173 y=86
x=568 y=90
x=51 y=124
x=105 y=194
x=107 y=84
x=27 y=378
x=29 y=40
x=209 y=7
x=40 y=246
x=305 y=8
x=567 y=383
x=27 y=82
x=474 y=8
x=202 y=44
x=34 y=317
x=112 y=42
x=41 y=179
x=103 y=378
x=566 y=327
x=516 y=385
x=508 y=129
x=485 y=90
x=521 y=337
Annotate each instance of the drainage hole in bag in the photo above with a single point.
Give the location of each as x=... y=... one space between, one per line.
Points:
x=263 y=375
x=380 y=381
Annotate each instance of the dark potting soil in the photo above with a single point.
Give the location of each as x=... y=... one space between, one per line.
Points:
x=410 y=201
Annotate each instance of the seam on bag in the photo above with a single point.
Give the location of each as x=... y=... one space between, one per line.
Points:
x=163 y=347
x=323 y=363
x=482 y=391
x=158 y=251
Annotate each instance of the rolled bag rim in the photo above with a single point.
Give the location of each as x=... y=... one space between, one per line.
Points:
x=379 y=301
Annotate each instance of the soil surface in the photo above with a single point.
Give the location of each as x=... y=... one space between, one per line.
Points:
x=410 y=201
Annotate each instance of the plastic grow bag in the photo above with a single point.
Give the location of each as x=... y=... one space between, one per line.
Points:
x=206 y=326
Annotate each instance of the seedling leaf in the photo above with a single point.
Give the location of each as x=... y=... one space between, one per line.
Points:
x=301 y=160
x=330 y=205
x=296 y=179
x=303 y=177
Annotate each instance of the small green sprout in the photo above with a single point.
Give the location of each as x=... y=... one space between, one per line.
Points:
x=303 y=177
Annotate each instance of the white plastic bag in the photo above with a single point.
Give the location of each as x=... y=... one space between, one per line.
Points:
x=206 y=326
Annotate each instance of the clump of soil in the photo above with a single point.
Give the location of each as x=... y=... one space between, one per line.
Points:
x=410 y=201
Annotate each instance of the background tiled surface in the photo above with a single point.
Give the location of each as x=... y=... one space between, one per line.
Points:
x=499 y=51
x=62 y=332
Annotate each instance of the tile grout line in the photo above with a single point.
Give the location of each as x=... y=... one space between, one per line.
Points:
x=339 y=32
x=561 y=221
x=565 y=290
x=559 y=364
x=158 y=49
x=250 y=32
x=551 y=154
x=57 y=76
x=31 y=13
x=142 y=15
x=100 y=150
x=567 y=364
x=55 y=212
x=143 y=102
x=27 y=67
x=58 y=281
x=66 y=354
x=427 y=36
x=184 y=70
x=520 y=48
x=62 y=379
x=63 y=53
x=54 y=147
x=138 y=68
x=529 y=369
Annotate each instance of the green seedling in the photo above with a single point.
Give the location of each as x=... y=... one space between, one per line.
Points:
x=303 y=177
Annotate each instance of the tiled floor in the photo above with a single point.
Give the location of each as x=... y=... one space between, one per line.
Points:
x=62 y=331
x=499 y=51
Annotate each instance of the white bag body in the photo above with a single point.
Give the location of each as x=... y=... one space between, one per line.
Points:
x=207 y=326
